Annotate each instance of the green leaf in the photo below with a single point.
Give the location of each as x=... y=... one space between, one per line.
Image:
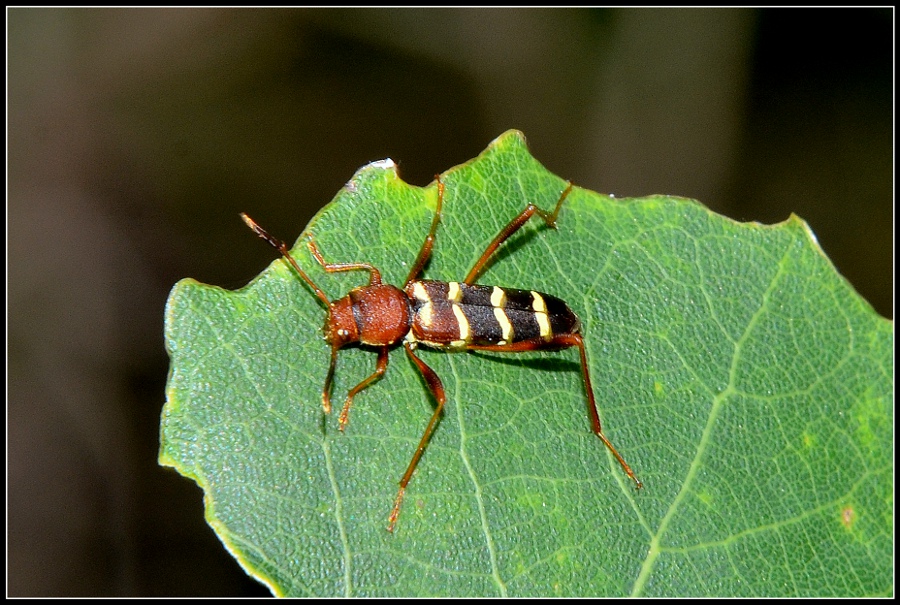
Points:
x=741 y=377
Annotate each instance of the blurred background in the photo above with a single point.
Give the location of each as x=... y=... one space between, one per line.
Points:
x=135 y=136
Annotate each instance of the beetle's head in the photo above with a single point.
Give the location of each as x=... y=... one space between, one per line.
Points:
x=340 y=326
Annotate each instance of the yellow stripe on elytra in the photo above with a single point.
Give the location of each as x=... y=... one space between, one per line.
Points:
x=498 y=300
x=506 y=328
x=465 y=333
x=426 y=313
x=454 y=294
x=540 y=314
x=420 y=293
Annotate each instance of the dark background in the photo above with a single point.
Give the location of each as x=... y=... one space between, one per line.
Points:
x=135 y=136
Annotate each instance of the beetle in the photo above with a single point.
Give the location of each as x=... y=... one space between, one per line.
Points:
x=443 y=315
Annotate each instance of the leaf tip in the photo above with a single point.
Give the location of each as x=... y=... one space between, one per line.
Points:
x=385 y=164
x=511 y=136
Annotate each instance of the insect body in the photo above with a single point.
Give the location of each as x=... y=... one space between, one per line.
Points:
x=449 y=315
x=443 y=315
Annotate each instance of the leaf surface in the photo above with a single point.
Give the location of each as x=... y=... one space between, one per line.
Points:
x=742 y=378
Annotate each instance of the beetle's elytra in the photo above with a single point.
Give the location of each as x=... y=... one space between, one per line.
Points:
x=444 y=315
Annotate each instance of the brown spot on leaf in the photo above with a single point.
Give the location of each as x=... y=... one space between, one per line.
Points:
x=848 y=516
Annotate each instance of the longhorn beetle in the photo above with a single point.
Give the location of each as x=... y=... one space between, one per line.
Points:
x=444 y=315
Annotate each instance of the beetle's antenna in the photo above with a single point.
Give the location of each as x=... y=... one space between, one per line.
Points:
x=282 y=247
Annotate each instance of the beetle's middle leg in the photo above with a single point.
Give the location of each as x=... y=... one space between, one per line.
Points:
x=513 y=226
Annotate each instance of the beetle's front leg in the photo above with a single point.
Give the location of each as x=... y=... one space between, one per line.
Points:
x=380 y=368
